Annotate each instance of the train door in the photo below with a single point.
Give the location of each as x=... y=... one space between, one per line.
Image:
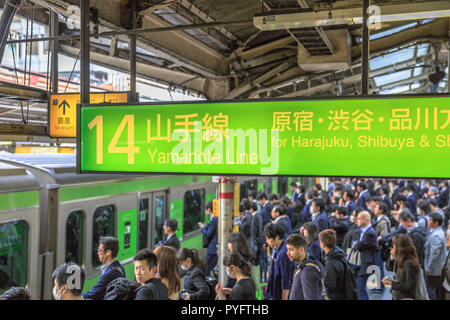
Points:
x=152 y=214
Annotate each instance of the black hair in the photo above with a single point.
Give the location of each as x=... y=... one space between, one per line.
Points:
x=237 y=260
x=434 y=203
x=374 y=198
x=294 y=184
x=342 y=210
x=383 y=207
x=246 y=204
x=318 y=186
x=148 y=255
x=340 y=187
x=172 y=224
x=273 y=196
x=286 y=201
x=209 y=206
x=405 y=216
x=401 y=197
x=385 y=190
x=254 y=206
x=240 y=244
x=298 y=206
x=436 y=217
x=424 y=205
x=253 y=194
x=301 y=188
x=362 y=185
x=319 y=203
x=272 y=230
x=16 y=293
x=350 y=194
x=280 y=209
x=110 y=243
x=313 y=232
x=64 y=274
x=193 y=254
x=261 y=195
x=297 y=240
x=241 y=208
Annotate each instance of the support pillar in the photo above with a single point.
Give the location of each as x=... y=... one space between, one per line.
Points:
x=133 y=54
x=365 y=49
x=85 y=53
x=225 y=226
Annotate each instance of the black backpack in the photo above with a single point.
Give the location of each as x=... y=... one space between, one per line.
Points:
x=121 y=289
x=212 y=282
x=351 y=291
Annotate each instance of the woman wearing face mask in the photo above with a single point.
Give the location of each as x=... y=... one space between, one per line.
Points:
x=237 y=243
x=244 y=288
x=195 y=285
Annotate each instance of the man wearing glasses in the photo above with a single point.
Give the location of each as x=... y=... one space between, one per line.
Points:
x=111 y=268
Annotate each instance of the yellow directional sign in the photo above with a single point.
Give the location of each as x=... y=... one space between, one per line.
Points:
x=62 y=110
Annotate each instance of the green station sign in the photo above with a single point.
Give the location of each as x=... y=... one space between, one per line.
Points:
x=383 y=136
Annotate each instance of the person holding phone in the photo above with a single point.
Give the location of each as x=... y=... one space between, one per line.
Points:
x=406 y=267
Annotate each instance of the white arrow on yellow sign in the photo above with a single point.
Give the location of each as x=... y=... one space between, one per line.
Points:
x=62 y=111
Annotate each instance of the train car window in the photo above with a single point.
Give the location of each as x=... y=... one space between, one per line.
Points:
x=247 y=186
x=159 y=219
x=193 y=210
x=103 y=226
x=13 y=255
x=74 y=237
x=143 y=223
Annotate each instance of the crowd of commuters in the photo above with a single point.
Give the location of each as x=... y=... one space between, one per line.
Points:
x=320 y=244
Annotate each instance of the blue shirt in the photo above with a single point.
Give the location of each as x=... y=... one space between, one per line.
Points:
x=363 y=230
x=281 y=273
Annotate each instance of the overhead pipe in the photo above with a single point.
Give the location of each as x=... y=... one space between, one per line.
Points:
x=9 y=11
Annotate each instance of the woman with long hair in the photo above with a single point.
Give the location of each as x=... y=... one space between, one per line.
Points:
x=167 y=269
x=406 y=268
x=237 y=243
x=311 y=233
x=195 y=285
x=238 y=269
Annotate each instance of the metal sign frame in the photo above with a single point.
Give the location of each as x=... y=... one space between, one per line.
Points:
x=321 y=98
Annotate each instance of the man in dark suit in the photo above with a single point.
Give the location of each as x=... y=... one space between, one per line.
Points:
x=170 y=227
x=301 y=194
x=209 y=233
x=348 y=203
x=364 y=194
x=366 y=238
x=294 y=192
x=319 y=217
x=443 y=194
x=108 y=249
x=266 y=208
x=410 y=199
x=384 y=194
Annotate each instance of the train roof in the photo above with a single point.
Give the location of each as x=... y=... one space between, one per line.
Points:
x=19 y=172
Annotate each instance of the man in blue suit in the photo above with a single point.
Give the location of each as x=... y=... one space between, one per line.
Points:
x=209 y=233
x=366 y=238
x=108 y=249
x=319 y=217
x=411 y=199
x=294 y=192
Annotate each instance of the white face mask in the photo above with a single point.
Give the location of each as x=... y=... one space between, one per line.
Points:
x=230 y=274
x=352 y=219
x=311 y=210
x=184 y=267
x=55 y=294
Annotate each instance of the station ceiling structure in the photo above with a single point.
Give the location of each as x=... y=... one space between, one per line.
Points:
x=239 y=49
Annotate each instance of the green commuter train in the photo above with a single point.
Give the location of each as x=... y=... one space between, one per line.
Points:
x=50 y=215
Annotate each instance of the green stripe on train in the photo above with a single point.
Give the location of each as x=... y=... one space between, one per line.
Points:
x=98 y=190
x=19 y=200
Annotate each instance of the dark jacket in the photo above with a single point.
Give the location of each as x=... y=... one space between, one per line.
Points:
x=368 y=248
x=285 y=223
x=256 y=237
x=341 y=227
x=349 y=236
x=321 y=221
x=153 y=290
x=280 y=274
x=314 y=251
x=173 y=241
x=113 y=271
x=361 y=202
x=245 y=225
x=404 y=285
x=266 y=214
x=195 y=284
x=335 y=277
x=307 y=282
x=418 y=236
x=350 y=206
x=210 y=232
x=411 y=201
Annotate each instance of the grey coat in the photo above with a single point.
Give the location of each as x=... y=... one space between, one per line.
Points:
x=435 y=252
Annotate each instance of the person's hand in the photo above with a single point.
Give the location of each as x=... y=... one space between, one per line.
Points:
x=387 y=282
x=186 y=296
x=220 y=291
x=201 y=225
x=226 y=290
